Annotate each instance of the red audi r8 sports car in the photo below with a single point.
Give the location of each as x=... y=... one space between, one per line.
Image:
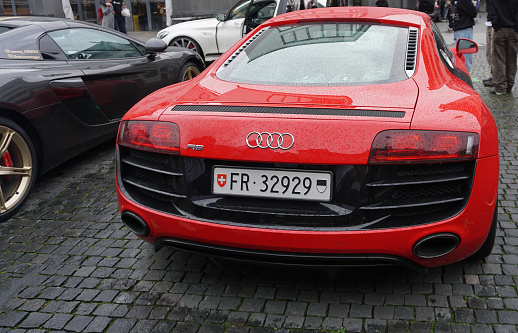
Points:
x=325 y=137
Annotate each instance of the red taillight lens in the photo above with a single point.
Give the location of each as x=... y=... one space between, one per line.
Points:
x=401 y=146
x=150 y=135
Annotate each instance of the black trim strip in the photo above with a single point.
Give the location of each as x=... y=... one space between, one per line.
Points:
x=164 y=190
x=287 y=110
x=321 y=260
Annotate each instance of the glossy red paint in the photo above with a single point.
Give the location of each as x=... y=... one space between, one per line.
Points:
x=432 y=99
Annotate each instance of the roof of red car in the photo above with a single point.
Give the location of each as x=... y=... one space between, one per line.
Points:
x=385 y=15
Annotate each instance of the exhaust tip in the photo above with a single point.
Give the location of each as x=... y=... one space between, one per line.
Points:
x=436 y=245
x=135 y=223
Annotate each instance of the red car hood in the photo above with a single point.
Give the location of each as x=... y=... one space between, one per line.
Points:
x=339 y=123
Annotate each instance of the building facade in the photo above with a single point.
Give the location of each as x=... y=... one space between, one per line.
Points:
x=146 y=15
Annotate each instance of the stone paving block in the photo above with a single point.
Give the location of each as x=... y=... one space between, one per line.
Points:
x=252 y=305
x=217 y=316
x=32 y=305
x=12 y=319
x=505 y=329
x=122 y=325
x=317 y=309
x=78 y=323
x=35 y=320
x=353 y=325
x=58 y=321
x=237 y=318
x=143 y=326
x=313 y=323
x=508 y=317
x=275 y=321
x=258 y=319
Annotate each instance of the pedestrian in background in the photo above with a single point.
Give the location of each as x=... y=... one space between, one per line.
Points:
x=464 y=14
x=503 y=15
x=489 y=53
x=118 y=5
x=108 y=19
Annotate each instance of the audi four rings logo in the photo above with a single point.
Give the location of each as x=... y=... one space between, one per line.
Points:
x=270 y=140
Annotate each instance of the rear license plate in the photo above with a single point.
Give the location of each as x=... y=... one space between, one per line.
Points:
x=272 y=183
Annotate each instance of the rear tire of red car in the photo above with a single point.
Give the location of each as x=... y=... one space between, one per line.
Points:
x=18 y=167
x=487 y=247
x=188 y=71
x=187 y=43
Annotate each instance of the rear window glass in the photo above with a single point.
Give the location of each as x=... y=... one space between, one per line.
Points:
x=322 y=54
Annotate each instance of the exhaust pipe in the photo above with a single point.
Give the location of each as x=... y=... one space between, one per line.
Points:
x=436 y=245
x=135 y=223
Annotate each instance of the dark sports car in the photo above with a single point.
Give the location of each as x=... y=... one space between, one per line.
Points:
x=65 y=85
x=325 y=137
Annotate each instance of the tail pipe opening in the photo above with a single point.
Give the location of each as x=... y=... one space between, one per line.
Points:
x=135 y=223
x=436 y=245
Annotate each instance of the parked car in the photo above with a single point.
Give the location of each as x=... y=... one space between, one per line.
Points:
x=430 y=7
x=214 y=36
x=326 y=137
x=65 y=86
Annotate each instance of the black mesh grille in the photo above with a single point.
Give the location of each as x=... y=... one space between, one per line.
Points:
x=415 y=191
x=148 y=156
x=151 y=176
x=364 y=197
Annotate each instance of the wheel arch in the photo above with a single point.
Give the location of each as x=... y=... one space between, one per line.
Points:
x=197 y=62
x=203 y=43
x=31 y=131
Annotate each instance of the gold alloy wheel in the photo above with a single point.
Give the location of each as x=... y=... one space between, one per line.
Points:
x=15 y=176
x=190 y=72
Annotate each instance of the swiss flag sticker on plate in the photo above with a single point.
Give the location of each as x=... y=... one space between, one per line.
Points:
x=222 y=179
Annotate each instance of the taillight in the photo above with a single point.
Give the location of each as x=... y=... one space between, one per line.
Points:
x=403 y=146
x=150 y=135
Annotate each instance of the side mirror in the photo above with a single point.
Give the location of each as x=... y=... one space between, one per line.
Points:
x=221 y=17
x=155 y=45
x=466 y=46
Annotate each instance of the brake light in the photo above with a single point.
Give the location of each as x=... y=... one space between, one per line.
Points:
x=401 y=146
x=150 y=135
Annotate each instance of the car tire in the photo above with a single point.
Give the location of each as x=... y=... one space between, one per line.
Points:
x=188 y=71
x=487 y=247
x=187 y=43
x=18 y=167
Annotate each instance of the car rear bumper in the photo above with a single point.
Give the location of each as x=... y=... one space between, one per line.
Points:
x=325 y=248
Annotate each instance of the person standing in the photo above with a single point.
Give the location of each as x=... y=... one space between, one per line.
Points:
x=108 y=19
x=464 y=13
x=118 y=5
x=489 y=53
x=503 y=15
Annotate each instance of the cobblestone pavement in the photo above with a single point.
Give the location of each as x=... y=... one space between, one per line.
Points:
x=68 y=264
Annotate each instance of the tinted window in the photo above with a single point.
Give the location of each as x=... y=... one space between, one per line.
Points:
x=93 y=44
x=322 y=54
x=445 y=53
x=239 y=10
